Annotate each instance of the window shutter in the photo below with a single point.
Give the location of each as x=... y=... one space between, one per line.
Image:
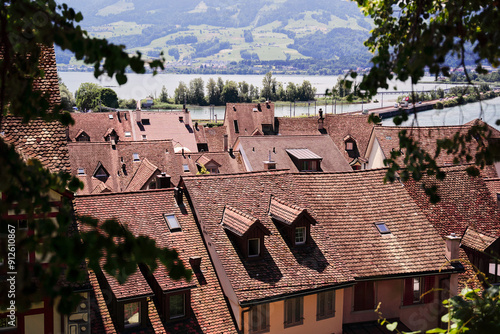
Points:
x=408 y=292
x=428 y=285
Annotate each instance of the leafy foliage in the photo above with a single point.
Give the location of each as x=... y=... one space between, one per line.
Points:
x=27 y=27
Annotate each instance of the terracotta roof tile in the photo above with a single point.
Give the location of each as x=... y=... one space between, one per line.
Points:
x=257 y=149
x=345 y=207
x=249 y=116
x=238 y=222
x=145 y=171
x=143 y=213
x=283 y=211
x=339 y=127
x=135 y=286
x=465 y=201
x=476 y=240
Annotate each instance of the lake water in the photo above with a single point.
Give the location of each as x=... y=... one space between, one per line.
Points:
x=488 y=111
x=140 y=86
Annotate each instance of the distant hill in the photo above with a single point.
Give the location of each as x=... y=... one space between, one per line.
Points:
x=214 y=32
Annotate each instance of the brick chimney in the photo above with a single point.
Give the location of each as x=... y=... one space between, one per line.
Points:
x=321 y=119
x=452 y=247
x=225 y=143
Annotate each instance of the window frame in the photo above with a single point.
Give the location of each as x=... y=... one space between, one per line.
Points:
x=291 y=306
x=139 y=308
x=304 y=235
x=170 y=316
x=322 y=311
x=172 y=227
x=258 y=247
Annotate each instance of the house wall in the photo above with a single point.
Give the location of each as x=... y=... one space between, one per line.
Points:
x=376 y=158
x=389 y=293
x=326 y=326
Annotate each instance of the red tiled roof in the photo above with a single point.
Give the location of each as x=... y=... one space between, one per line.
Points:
x=143 y=213
x=249 y=118
x=165 y=125
x=100 y=318
x=345 y=207
x=45 y=141
x=388 y=138
x=465 y=201
x=227 y=163
x=476 y=240
x=145 y=171
x=205 y=159
x=238 y=222
x=99 y=124
x=338 y=127
x=256 y=150
x=135 y=286
x=159 y=154
x=283 y=211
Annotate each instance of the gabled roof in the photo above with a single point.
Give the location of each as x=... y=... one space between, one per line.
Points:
x=97 y=125
x=108 y=132
x=250 y=116
x=285 y=212
x=256 y=149
x=465 y=201
x=426 y=136
x=135 y=286
x=227 y=163
x=99 y=166
x=337 y=126
x=145 y=171
x=142 y=212
x=345 y=242
x=80 y=133
x=204 y=159
x=240 y=223
x=476 y=240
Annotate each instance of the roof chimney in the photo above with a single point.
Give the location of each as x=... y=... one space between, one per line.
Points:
x=138 y=115
x=225 y=143
x=270 y=164
x=162 y=181
x=320 y=119
x=452 y=247
x=178 y=196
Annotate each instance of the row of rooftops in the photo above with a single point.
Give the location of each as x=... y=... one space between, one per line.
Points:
x=347 y=226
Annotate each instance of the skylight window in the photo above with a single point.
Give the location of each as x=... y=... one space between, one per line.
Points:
x=382 y=228
x=172 y=222
x=136 y=156
x=110 y=116
x=128 y=134
x=186 y=168
x=81 y=171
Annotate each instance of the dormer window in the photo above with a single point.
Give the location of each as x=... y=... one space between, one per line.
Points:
x=82 y=136
x=294 y=222
x=253 y=247
x=349 y=145
x=304 y=159
x=100 y=172
x=247 y=231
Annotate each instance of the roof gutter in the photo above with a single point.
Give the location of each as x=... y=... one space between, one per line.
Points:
x=295 y=294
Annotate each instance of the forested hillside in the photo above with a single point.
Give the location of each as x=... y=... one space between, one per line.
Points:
x=217 y=33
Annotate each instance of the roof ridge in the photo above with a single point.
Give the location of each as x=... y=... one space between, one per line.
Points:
x=126 y=192
x=241 y=213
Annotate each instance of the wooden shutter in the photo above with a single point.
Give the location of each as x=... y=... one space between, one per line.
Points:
x=428 y=285
x=408 y=292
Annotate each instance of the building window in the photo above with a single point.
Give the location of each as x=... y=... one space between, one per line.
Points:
x=132 y=314
x=185 y=168
x=364 y=296
x=177 y=306
x=294 y=310
x=212 y=170
x=83 y=137
x=236 y=128
x=144 y=137
x=349 y=145
x=172 y=222
x=81 y=171
x=259 y=318
x=128 y=134
x=325 y=305
x=382 y=228
x=253 y=247
x=418 y=290
x=135 y=156
x=300 y=235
